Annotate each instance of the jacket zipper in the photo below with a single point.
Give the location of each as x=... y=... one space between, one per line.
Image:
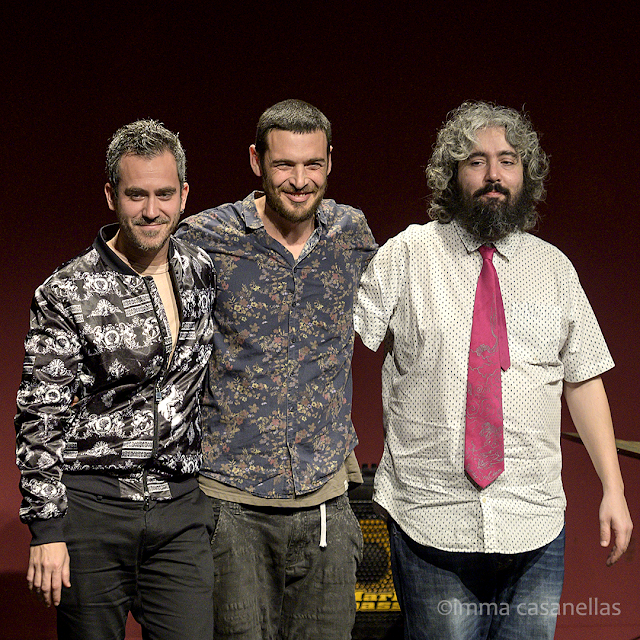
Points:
x=158 y=386
x=166 y=357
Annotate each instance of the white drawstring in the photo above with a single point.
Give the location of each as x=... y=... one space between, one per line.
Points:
x=323 y=525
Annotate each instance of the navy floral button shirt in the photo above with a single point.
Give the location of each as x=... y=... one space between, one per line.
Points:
x=277 y=406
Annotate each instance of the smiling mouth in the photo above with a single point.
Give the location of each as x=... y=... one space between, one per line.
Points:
x=298 y=196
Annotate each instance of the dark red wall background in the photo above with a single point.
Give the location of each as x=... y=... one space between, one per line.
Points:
x=386 y=75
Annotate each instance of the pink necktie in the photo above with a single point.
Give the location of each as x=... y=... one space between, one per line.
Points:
x=488 y=354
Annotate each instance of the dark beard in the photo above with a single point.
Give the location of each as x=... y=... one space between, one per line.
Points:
x=299 y=214
x=493 y=220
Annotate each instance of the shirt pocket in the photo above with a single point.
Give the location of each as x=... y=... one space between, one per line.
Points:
x=536 y=333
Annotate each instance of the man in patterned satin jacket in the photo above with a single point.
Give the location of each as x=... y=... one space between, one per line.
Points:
x=278 y=438
x=108 y=433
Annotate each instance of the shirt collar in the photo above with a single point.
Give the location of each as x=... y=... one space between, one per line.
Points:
x=506 y=247
x=252 y=220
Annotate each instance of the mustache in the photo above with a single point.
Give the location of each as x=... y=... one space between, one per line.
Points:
x=496 y=186
x=142 y=223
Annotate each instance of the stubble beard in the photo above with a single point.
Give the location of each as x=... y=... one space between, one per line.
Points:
x=144 y=242
x=299 y=212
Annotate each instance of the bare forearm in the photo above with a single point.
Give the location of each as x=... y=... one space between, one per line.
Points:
x=589 y=409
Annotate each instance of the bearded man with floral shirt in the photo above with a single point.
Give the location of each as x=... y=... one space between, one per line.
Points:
x=278 y=443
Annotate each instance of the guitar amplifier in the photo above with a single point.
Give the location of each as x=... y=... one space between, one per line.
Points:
x=377 y=610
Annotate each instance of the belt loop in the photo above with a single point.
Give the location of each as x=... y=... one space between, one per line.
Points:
x=323 y=525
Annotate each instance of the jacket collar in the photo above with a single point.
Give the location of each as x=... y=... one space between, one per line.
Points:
x=112 y=260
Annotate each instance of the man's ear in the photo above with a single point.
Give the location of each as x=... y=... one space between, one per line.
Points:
x=183 y=196
x=254 y=160
x=110 y=194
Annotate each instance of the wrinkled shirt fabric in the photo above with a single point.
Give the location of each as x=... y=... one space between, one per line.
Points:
x=277 y=407
x=418 y=293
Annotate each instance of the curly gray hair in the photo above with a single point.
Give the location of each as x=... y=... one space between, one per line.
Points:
x=456 y=140
x=146 y=138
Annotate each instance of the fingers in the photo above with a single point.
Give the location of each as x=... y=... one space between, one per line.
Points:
x=621 y=543
x=66 y=573
x=48 y=571
x=615 y=525
x=56 y=589
x=34 y=576
x=46 y=586
x=64 y=580
x=616 y=554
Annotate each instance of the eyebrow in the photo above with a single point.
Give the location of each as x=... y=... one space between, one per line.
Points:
x=482 y=154
x=319 y=160
x=137 y=191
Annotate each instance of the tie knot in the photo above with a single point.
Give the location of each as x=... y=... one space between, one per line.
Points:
x=487 y=252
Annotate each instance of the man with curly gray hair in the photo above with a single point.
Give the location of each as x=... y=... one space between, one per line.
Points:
x=493 y=218
x=486 y=327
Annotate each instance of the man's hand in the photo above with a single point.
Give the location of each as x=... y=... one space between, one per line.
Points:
x=615 y=519
x=48 y=571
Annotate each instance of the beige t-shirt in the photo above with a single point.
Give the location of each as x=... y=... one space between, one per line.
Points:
x=349 y=472
x=162 y=279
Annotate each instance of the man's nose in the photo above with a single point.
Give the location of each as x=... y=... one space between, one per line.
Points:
x=492 y=172
x=152 y=210
x=298 y=177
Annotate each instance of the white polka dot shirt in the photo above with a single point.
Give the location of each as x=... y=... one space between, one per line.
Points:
x=418 y=292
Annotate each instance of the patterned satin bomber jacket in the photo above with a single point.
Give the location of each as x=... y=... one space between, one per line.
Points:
x=99 y=334
x=277 y=407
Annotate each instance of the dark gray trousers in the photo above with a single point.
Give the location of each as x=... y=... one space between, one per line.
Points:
x=153 y=560
x=273 y=580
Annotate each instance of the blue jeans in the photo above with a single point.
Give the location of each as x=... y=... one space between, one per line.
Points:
x=476 y=596
x=272 y=578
